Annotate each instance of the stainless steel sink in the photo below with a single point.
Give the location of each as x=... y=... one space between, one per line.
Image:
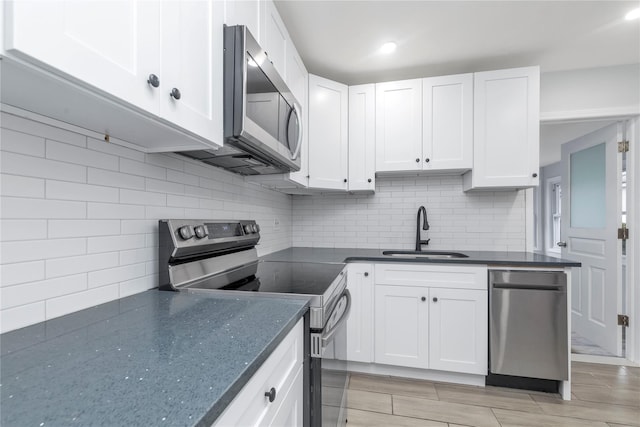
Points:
x=425 y=254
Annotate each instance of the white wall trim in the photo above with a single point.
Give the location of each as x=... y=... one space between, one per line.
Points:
x=592 y=114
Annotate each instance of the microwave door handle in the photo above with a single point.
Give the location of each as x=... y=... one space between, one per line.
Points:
x=296 y=153
x=328 y=335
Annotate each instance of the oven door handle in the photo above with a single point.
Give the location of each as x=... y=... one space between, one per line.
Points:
x=327 y=336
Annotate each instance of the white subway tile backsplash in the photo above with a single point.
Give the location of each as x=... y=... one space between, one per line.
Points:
x=81 y=264
x=21 y=186
x=143 y=169
x=114 y=179
x=78 y=228
x=115 y=275
x=22 y=272
x=22 y=229
x=114 y=211
x=19 y=207
x=85 y=220
x=80 y=156
x=21 y=143
x=24 y=315
x=36 y=167
x=28 y=293
x=60 y=306
x=62 y=190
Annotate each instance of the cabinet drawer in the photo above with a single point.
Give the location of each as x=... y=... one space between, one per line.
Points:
x=432 y=275
x=251 y=407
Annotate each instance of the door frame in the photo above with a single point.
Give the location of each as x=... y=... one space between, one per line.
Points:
x=633 y=212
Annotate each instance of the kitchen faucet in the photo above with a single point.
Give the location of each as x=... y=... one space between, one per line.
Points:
x=425 y=226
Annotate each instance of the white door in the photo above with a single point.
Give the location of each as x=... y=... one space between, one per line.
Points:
x=328 y=133
x=244 y=12
x=110 y=45
x=360 y=321
x=192 y=44
x=402 y=326
x=362 y=137
x=273 y=37
x=447 y=124
x=590 y=216
x=399 y=126
x=458 y=323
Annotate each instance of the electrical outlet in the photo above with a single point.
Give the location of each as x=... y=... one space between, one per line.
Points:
x=276 y=224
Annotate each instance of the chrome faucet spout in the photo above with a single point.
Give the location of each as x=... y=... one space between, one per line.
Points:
x=425 y=226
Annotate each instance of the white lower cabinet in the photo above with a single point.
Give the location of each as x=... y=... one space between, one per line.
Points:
x=360 y=321
x=426 y=316
x=402 y=326
x=280 y=374
x=458 y=330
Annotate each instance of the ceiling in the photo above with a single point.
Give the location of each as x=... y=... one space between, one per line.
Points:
x=339 y=39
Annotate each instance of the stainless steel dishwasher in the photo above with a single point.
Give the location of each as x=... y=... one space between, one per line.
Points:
x=528 y=324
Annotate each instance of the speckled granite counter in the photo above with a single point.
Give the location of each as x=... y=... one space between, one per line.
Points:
x=153 y=359
x=340 y=255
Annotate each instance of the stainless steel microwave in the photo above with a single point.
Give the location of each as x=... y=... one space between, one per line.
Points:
x=262 y=119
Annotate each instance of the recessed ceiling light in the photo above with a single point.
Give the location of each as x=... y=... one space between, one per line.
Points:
x=634 y=14
x=388 y=47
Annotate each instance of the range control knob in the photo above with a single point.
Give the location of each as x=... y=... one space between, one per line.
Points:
x=254 y=228
x=185 y=232
x=257 y=228
x=247 y=229
x=201 y=231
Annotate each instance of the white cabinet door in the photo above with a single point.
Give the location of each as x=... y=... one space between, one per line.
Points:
x=298 y=82
x=402 y=326
x=399 y=126
x=290 y=412
x=328 y=133
x=506 y=130
x=192 y=44
x=93 y=42
x=362 y=150
x=458 y=323
x=244 y=12
x=273 y=37
x=360 y=321
x=447 y=124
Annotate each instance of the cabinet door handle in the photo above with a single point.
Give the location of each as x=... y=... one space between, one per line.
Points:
x=535 y=175
x=423 y=298
x=435 y=299
x=427 y=160
x=175 y=93
x=366 y=274
x=345 y=180
x=369 y=180
x=271 y=394
x=417 y=160
x=153 y=80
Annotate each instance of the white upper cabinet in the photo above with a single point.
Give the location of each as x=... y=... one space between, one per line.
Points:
x=447 y=124
x=298 y=83
x=328 y=133
x=274 y=37
x=244 y=12
x=192 y=43
x=506 y=129
x=165 y=58
x=92 y=42
x=399 y=126
x=362 y=153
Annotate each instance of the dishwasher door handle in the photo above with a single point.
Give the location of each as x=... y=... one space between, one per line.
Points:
x=521 y=287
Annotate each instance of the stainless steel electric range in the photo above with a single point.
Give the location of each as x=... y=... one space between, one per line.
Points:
x=221 y=255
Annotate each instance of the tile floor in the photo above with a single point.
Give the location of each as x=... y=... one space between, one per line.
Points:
x=603 y=395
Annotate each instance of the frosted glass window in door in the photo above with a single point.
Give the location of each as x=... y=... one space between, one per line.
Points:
x=588 y=188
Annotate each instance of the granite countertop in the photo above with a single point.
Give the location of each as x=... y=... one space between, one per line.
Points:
x=341 y=255
x=156 y=358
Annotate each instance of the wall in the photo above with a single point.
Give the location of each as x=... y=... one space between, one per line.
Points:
x=590 y=92
x=79 y=217
x=387 y=219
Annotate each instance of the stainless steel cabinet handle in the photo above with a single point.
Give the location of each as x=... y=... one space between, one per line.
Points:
x=175 y=93
x=153 y=80
x=562 y=244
